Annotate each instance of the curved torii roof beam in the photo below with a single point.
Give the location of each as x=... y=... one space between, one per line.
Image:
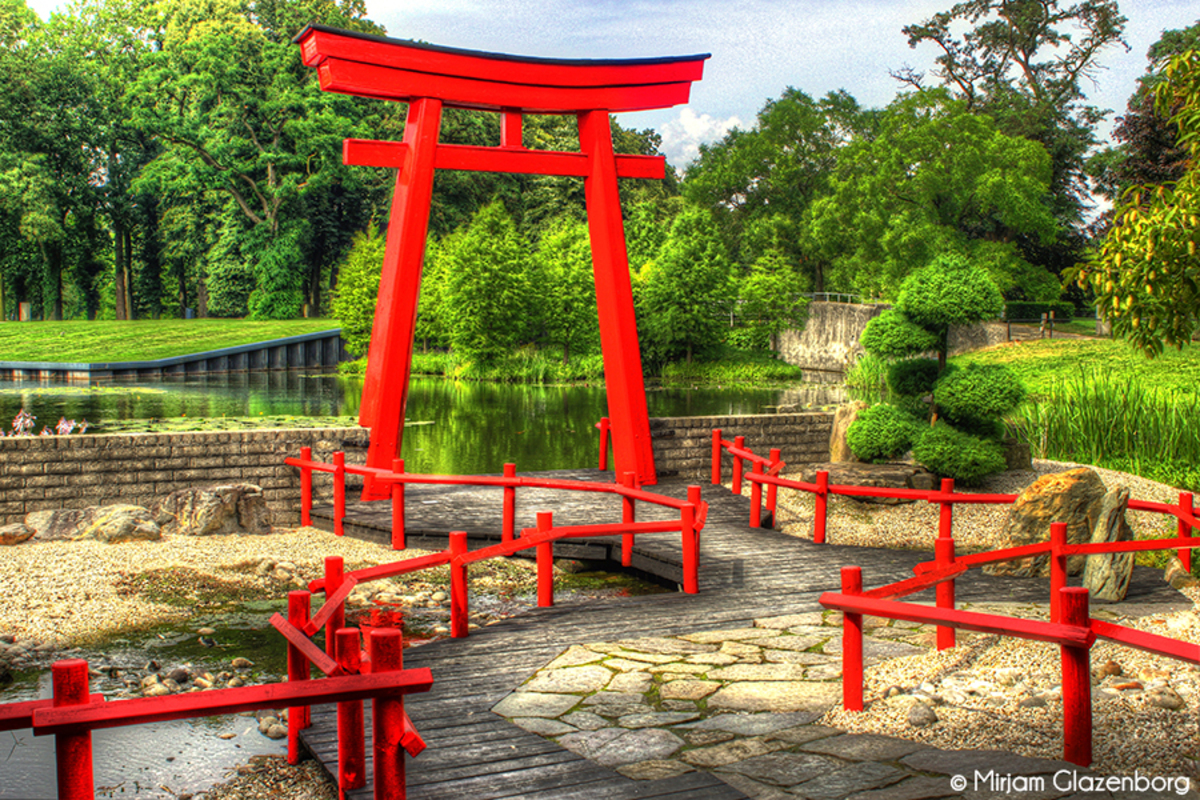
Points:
x=430 y=78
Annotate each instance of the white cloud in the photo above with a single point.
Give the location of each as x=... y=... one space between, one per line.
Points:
x=682 y=136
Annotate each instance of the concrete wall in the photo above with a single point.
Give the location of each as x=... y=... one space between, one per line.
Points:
x=683 y=445
x=40 y=473
x=828 y=345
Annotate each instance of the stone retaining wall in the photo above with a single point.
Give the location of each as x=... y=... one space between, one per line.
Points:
x=50 y=472
x=683 y=445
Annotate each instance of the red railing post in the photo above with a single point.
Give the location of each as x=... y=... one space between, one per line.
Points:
x=756 y=496
x=398 y=538
x=339 y=491
x=691 y=550
x=946 y=513
x=545 y=561
x=299 y=717
x=773 y=490
x=334 y=575
x=740 y=443
x=1058 y=568
x=716 y=457
x=386 y=649
x=628 y=514
x=306 y=488
x=820 y=506
x=604 y=426
x=1186 y=531
x=1076 y=681
x=852 y=644
x=508 y=523
x=693 y=497
x=351 y=737
x=73 y=751
x=458 y=585
x=943 y=550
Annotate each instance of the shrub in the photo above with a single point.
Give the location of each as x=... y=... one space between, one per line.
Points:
x=978 y=392
x=954 y=454
x=949 y=291
x=892 y=335
x=1020 y=310
x=358 y=289
x=881 y=432
x=912 y=378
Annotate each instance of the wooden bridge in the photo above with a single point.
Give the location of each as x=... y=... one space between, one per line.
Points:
x=745 y=573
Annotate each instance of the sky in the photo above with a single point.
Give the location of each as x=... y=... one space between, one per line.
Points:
x=758 y=47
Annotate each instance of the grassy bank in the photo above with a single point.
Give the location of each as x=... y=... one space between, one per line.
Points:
x=79 y=341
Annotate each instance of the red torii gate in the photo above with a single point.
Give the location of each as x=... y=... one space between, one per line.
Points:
x=430 y=78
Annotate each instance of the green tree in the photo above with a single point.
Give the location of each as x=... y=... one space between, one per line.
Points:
x=770 y=300
x=358 y=290
x=684 y=297
x=568 y=291
x=934 y=178
x=1146 y=272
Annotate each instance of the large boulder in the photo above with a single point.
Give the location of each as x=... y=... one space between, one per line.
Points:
x=1073 y=497
x=15 y=534
x=1106 y=575
x=122 y=523
x=892 y=476
x=843 y=418
x=231 y=508
x=61 y=524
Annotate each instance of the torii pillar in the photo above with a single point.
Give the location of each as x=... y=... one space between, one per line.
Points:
x=431 y=78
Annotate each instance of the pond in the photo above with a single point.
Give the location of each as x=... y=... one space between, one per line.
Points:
x=453 y=426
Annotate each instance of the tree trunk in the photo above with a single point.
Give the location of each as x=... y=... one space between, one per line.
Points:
x=52 y=306
x=129 y=274
x=119 y=258
x=201 y=298
x=314 y=291
x=566 y=353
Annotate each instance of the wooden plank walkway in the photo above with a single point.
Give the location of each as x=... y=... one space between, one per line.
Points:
x=745 y=574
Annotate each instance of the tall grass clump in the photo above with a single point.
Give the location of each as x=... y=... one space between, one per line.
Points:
x=1115 y=422
x=866 y=380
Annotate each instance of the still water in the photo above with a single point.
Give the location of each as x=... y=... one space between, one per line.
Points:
x=453 y=426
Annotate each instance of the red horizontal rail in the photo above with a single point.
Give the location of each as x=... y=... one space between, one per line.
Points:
x=989 y=556
x=917 y=584
x=388 y=570
x=15 y=716
x=136 y=711
x=305 y=645
x=1070 y=635
x=1185 y=543
x=1150 y=642
x=316 y=466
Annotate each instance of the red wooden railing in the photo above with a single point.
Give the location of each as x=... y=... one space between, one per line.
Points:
x=72 y=714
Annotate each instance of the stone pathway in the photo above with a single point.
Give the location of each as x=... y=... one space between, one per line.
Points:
x=745 y=704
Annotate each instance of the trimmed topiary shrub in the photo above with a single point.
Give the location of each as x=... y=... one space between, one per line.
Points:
x=953 y=454
x=949 y=292
x=881 y=432
x=976 y=392
x=892 y=335
x=912 y=378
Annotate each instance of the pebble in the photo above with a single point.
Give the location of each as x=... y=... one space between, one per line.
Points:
x=921 y=715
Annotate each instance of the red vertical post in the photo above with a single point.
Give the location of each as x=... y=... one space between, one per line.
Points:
x=352 y=743
x=339 y=491
x=306 y=488
x=852 y=644
x=693 y=497
x=1186 y=531
x=1058 y=568
x=739 y=442
x=772 y=489
x=1076 y=681
x=756 y=496
x=73 y=751
x=399 y=541
x=820 y=506
x=604 y=427
x=545 y=561
x=299 y=717
x=508 y=523
x=458 y=585
x=628 y=514
x=691 y=552
x=334 y=575
x=386 y=650
x=943 y=554
x=626 y=390
x=946 y=512
x=389 y=361
x=716 y=457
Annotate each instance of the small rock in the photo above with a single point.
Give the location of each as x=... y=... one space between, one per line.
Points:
x=1033 y=701
x=265 y=723
x=156 y=690
x=206 y=631
x=1109 y=668
x=227 y=735
x=235 y=683
x=1165 y=697
x=921 y=715
x=241 y=663
x=276 y=731
x=438 y=597
x=15 y=534
x=202 y=683
x=180 y=675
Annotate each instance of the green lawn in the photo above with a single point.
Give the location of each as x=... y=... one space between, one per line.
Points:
x=1041 y=363
x=79 y=341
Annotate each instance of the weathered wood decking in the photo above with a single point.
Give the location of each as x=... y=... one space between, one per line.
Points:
x=745 y=573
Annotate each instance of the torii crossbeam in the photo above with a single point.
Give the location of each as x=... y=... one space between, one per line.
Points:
x=431 y=78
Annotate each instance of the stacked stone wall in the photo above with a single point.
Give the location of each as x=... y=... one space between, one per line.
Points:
x=683 y=445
